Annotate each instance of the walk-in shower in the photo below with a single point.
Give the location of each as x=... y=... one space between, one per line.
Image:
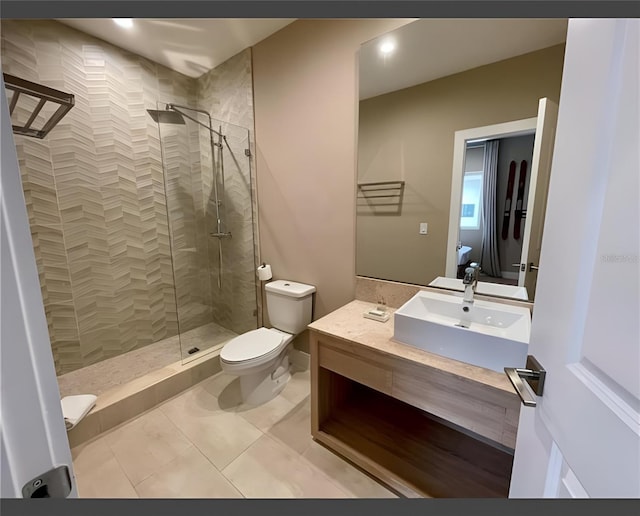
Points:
x=137 y=298
x=174 y=114
x=211 y=293
x=212 y=240
x=124 y=212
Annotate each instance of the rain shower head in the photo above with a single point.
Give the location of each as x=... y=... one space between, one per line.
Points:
x=173 y=114
x=166 y=116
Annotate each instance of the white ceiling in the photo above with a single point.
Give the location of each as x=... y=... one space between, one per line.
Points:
x=428 y=49
x=189 y=46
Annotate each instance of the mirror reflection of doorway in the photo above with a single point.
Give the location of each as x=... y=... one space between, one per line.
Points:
x=534 y=199
x=476 y=224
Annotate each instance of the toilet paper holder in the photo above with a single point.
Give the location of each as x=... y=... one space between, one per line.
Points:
x=264 y=272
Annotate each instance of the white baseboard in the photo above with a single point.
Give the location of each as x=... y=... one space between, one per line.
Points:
x=299 y=359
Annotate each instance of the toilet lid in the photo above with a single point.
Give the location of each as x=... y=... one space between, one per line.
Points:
x=250 y=345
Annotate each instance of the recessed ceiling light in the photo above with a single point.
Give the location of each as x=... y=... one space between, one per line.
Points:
x=387 y=47
x=127 y=23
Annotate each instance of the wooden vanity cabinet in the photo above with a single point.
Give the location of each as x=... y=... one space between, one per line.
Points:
x=422 y=431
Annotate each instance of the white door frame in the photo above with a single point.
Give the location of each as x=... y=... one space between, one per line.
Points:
x=540 y=175
x=33 y=434
x=488 y=132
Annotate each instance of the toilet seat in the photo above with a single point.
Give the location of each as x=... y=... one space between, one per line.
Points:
x=254 y=347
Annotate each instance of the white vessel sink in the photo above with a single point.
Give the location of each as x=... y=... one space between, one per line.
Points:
x=483 y=287
x=496 y=335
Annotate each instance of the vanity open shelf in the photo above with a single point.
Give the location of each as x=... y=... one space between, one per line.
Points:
x=414 y=452
x=424 y=425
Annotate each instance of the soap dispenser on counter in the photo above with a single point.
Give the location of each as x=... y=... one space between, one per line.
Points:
x=379 y=313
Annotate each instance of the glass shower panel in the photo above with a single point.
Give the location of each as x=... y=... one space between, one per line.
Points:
x=232 y=243
x=210 y=210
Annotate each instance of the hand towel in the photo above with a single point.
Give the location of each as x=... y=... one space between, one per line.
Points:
x=74 y=408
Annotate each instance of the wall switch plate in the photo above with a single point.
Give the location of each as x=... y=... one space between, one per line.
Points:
x=423 y=228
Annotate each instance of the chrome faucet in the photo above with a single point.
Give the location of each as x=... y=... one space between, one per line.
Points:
x=470 y=281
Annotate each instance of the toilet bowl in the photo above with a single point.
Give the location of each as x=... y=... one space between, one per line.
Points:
x=261 y=357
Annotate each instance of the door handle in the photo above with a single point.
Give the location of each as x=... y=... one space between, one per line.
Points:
x=521 y=266
x=55 y=483
x=534 y=375
x=533 y=267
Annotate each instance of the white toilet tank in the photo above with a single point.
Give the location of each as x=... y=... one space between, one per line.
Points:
x=289 y=305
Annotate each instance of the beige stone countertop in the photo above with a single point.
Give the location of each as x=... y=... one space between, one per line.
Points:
x=348 y=323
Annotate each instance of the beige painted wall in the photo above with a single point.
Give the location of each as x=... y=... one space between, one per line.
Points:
x=408 y=135
x=305 y=94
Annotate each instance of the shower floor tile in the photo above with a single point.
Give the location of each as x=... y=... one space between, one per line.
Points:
x=224 y=449
x=102 y=376
x=204 y=338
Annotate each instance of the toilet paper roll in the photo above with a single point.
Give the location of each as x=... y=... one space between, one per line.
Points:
x=264 y=272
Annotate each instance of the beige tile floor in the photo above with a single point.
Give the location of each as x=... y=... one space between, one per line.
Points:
x=204 y=443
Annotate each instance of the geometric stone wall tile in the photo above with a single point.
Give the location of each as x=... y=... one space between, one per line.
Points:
x=122 y=239
x=95 y=193
x=226 y=92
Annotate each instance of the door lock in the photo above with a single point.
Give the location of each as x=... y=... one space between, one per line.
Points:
x=534 y=375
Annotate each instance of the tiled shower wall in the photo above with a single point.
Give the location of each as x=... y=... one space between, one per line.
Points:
x=227 y=92
x=183 y=178
x=96 y=199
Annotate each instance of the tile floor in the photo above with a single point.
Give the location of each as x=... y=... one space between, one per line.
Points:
x=102 y=376
x=204 y=443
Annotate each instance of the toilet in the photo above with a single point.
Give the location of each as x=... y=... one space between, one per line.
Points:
x=261 y=357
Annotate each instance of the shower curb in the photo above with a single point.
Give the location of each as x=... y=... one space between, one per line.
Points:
x=125 y=402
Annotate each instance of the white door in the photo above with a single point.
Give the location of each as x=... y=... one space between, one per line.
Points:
x=583 y=437
x=537 y=199
x=33 y=435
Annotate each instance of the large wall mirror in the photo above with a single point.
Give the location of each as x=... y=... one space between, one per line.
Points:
x=455 y=139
